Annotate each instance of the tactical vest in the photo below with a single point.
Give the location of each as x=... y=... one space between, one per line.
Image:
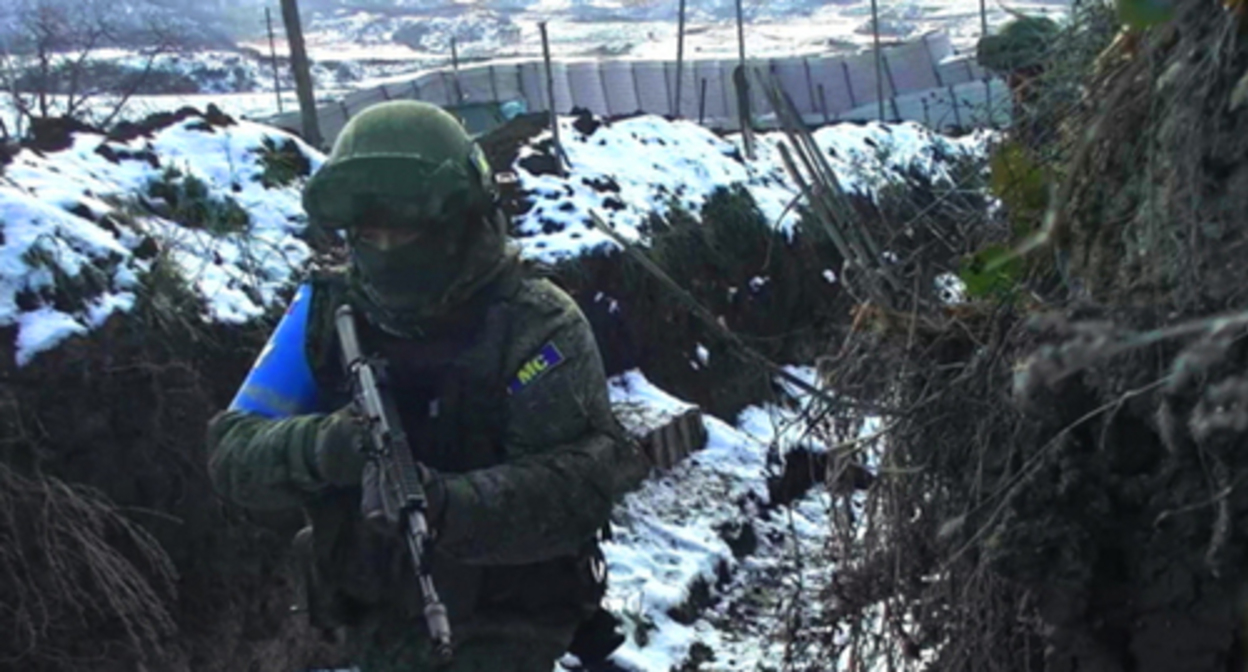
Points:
x=451 y=395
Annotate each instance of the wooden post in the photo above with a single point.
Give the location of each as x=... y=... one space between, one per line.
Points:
x=879 y=79
x=560 y=156
x=303 y=75
x=277 y=82
x=680 y=57
x=892 y=87
x=743 y=88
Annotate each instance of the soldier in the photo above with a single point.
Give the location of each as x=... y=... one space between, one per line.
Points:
x=501 y=391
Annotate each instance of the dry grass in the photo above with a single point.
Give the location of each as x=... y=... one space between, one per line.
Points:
x=71 y=563
x=1057 y=488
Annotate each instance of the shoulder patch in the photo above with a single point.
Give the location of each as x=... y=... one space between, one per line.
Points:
x=535 y=367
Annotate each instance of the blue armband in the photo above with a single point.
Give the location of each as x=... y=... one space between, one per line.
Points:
x=280 y=383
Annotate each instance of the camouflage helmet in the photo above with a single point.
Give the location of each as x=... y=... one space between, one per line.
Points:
x=412 y=159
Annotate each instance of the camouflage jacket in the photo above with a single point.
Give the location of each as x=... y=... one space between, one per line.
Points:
x=511 y=410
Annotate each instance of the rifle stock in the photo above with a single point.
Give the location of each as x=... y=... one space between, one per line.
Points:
x=388 y=447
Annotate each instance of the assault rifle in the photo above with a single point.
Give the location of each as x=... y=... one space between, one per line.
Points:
x=398 y=476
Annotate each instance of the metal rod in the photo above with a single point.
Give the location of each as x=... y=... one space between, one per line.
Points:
x=875 y=32
x=810 y=87
x=680 y=57
x=459 y=89
x=849 y=85
x=957 y=114
x=702 y=103
x=560 y=156
x=277 y=82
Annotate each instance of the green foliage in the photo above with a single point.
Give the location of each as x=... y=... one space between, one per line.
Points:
x=1022 y=43
x=1144 y=14
x=1021 y=183
x=189 y=201
x=993 y=272
x=283 y=163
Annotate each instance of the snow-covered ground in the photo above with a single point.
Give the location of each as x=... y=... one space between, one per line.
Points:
x=648 y=28
x=84 y=215
x=679 y=530
x=629 y=169
x=88 y=217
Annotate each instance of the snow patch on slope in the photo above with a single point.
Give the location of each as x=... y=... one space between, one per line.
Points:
x=80 y=218
x=629 y=170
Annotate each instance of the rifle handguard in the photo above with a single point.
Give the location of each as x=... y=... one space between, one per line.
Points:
x=398 y=469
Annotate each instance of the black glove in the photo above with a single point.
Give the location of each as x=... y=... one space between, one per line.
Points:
x=380 y=505
x=339 y=457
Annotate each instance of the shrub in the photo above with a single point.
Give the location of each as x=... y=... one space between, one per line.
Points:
x=189 y=201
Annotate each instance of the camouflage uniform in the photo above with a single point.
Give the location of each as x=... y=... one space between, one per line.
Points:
x=506 y=402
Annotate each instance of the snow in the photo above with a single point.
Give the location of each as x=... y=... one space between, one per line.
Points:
x=950 y=288
x=75 y=212
x=647 y=28
x=640 y=405
x=668 y=535
x=630 y=169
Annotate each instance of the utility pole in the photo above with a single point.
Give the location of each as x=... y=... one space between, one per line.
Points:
x=277 y=83
x=879 y=69
x=680 y=55
x=303 y=74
